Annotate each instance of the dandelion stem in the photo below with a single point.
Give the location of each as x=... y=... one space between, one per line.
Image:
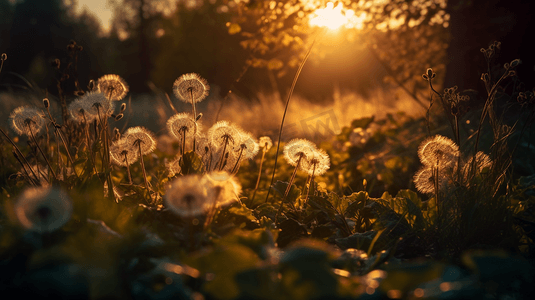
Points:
x=143 y=169
x=127 y=167
x=220 y=164
x=259 y=174
x=19 y=153
x=289 y=187
x=311 y=183
x=194 y=113
x=41 y=150
x=237 y=162
x=58 y=131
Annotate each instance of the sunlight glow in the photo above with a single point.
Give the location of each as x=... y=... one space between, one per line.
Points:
x=336 y=16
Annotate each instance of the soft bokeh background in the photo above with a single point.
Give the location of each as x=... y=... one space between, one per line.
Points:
x=372 y=65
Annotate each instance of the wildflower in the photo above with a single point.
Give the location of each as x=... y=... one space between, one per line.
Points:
x=96 y=104
x=246 y=147
x=223 y=132
x=123 y=154
x=223 y=136
x=424 y=180
x=265 y=142
x=112 y=86
x=27 y=120
x=187 y=196
x=297 y=149
x=140 y=138
x=191 y=88
x=224 y=160
x=318 y=164
x=183 y=127
x=438 y=151
x=203 y=146
x=223 y=187
x=78 y=113
x=43 y=209
x=482 y=162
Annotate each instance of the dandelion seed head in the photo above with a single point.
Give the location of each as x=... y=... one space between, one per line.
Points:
x=95 y=103
x=43 y=209
x=246 y=145
x=191 y=85
x=230 y=158
x=297 y=149
x=122 y=154
x=112 y=86
x=424 y=180
x=202 y=145
x=317 y=164
x=223 y=187
x=222 y=132
x=183 y=123
x=142 y=136
x=77 y=112
x=27 y=120
x=265 y=143
x=482 y=162
x=187 y=196
x=438 y=150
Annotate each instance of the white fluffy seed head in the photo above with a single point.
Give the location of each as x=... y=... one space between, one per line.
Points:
x=191 y=87
x=27 y=120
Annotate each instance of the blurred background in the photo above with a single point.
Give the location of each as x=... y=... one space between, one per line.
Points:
x=367 y=57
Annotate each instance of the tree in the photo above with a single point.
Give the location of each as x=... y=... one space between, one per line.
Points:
x=476 y=25
x=138 y=21
x=406 y=37
x=195 y=39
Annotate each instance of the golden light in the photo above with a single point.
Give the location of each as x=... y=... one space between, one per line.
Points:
x=334 y=17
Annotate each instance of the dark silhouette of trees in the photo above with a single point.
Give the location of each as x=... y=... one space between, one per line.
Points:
x=477 y=24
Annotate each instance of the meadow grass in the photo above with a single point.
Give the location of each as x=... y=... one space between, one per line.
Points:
x=159 y=202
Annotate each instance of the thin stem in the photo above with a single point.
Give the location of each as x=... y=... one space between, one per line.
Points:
x=288 y=188
x=286 y=110
x=259 y=175
x=127 y=167
x=19 y=153
x=41 y=150
x=183 y=140
x=237 y=162
x=67 y=150
x=194 y=115
x=311 y=183
x=220 y=163
x=143 y=168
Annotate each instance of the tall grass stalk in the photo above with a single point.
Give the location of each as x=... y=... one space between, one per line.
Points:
x=286 y=110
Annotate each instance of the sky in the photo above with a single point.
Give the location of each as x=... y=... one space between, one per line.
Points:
x=100 y=9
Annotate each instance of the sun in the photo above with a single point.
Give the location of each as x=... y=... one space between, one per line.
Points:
x=334 y=17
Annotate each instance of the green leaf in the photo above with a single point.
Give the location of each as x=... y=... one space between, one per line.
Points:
x=191 y=163
x=244 y=212
x=320 y=203
x=340 y=203
x=356 y=201
x=224 y=262
x=280 y=188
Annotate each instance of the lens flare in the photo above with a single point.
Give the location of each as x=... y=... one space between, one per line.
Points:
x=334 y=17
